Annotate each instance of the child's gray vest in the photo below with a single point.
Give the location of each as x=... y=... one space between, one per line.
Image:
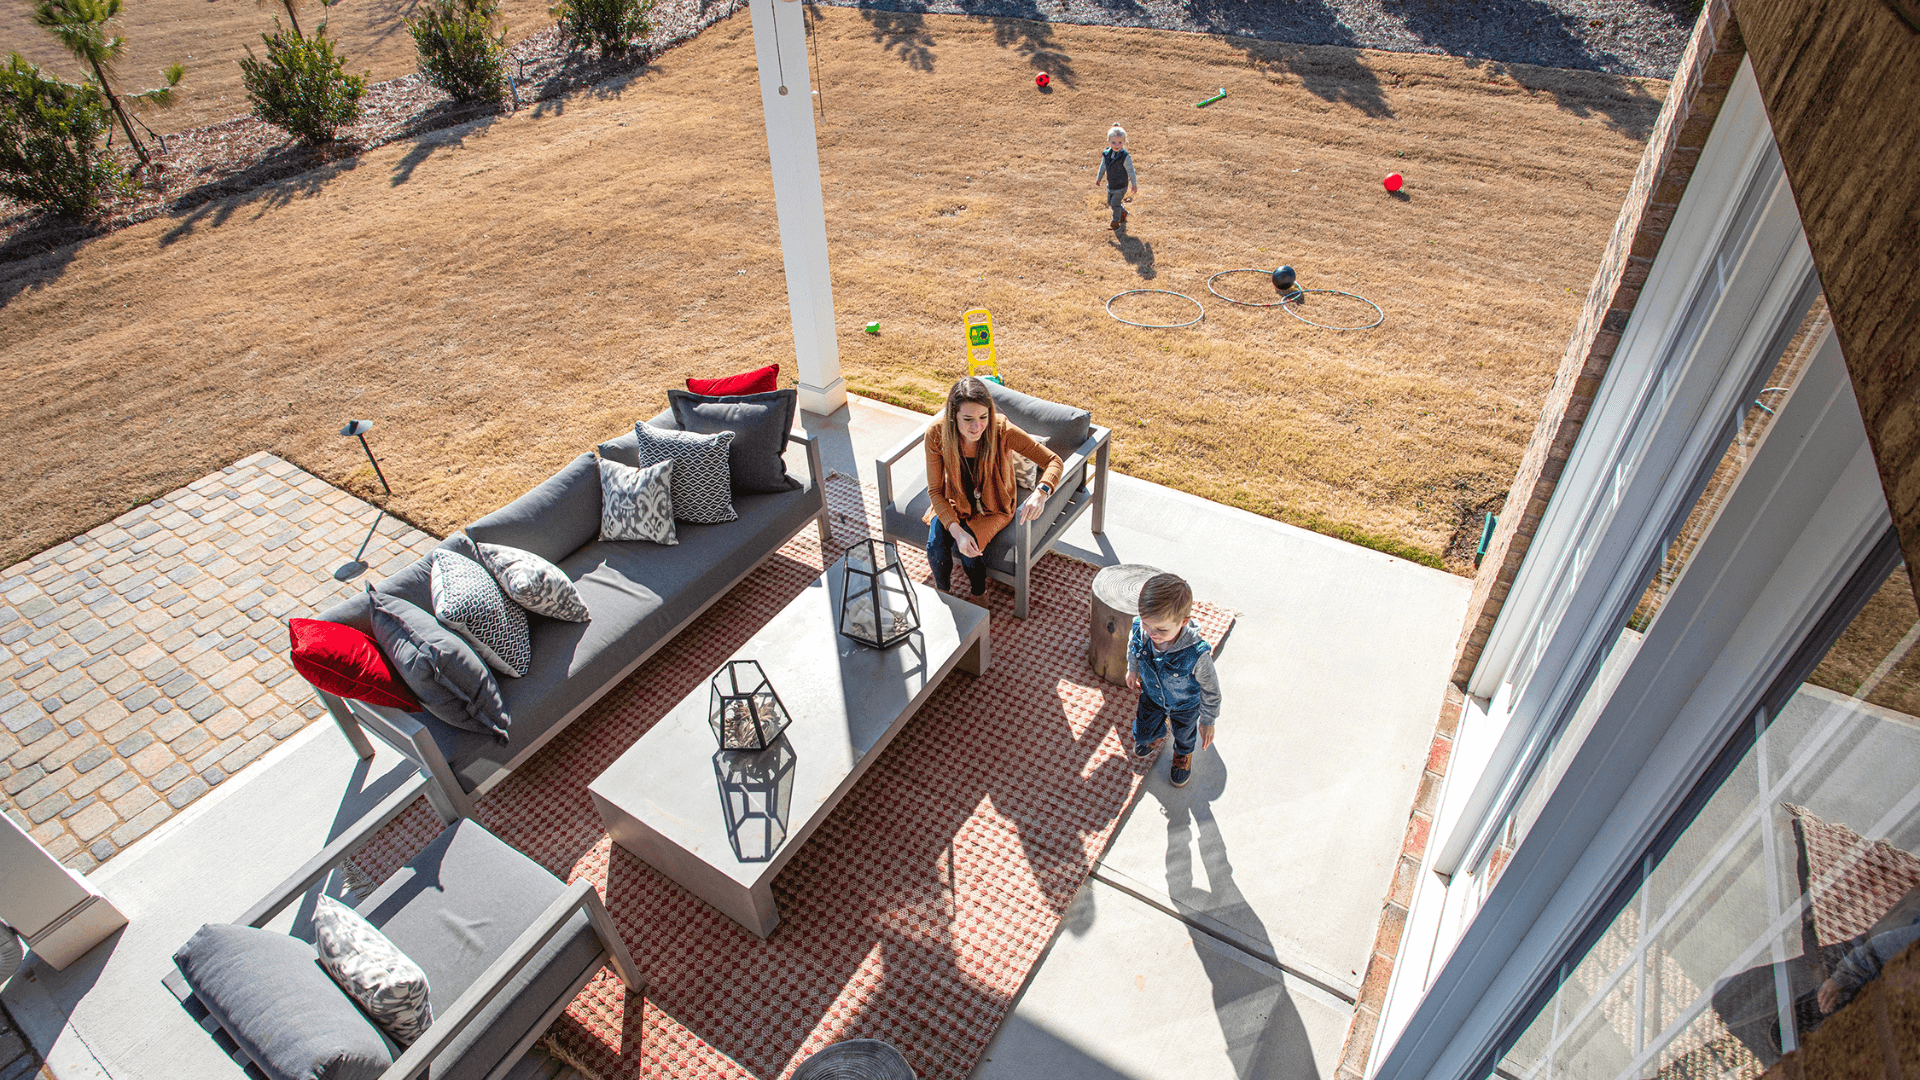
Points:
x=1116 y=162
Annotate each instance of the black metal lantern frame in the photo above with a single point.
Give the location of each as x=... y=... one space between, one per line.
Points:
x=877 y=607
x=744 y=711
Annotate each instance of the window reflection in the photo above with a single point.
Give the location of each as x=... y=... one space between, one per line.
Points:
x=1795 y=882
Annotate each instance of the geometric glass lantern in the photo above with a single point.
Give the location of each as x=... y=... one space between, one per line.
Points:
x=745 y=712
x=877 y=606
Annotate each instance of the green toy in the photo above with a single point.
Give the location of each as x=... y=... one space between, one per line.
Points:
x=1211 y=100
x=873 y=328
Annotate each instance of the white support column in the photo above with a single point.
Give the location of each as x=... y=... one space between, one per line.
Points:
x=59 y=914
x=780 y=46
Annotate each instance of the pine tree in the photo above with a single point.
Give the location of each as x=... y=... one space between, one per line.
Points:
x=81 y=28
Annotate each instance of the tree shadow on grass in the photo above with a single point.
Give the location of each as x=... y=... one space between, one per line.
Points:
x=902 y=32
x=294 y=172
x=1330 y=70
x=31 y=261
x=1034 y=40
x=426 y=145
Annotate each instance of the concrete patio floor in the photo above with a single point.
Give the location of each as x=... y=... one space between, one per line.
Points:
x=1223 y=935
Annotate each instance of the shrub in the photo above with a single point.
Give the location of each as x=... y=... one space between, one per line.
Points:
x=463 y=47
x=50 y=149
x=610 y=24
x=300 y=86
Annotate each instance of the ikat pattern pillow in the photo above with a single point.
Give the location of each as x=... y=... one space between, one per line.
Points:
x=702 y=476
x=468 y=602
x=533 y=582
x=387 y=984
x=637 y=504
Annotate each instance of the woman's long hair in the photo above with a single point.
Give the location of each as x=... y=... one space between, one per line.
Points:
x=972 y=391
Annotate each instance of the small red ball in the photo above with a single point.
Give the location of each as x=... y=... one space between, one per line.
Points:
x=1042 y=79
x=1393 y=182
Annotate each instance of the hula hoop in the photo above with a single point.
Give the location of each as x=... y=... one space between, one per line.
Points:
x=1158 y=326
x=1287 y=306
x=1268 y=274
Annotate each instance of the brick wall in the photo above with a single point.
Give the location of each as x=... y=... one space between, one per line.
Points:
x=1693 y=103
x=1841 y=82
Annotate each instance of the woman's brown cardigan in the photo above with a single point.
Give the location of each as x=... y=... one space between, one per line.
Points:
x=948 y=490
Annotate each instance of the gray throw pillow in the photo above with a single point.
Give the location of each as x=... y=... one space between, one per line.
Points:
x=440 y=668
x=533 y=582
x=386 y=983
x=470 y=603
x=702 y=477
x=268 y=993
x=759 y=422
x=637 y=504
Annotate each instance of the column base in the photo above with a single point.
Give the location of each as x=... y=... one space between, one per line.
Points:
x=824 y=401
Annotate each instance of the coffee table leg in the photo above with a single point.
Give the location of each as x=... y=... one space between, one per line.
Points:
x=760 y=914
x=979 y=654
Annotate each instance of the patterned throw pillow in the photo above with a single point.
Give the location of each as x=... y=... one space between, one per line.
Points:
x=702 y=478
x=533 y=582
x=387 y=984
x=466 y=599
x=637 y=504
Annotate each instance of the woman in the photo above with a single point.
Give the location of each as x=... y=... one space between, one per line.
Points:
x=970 y=477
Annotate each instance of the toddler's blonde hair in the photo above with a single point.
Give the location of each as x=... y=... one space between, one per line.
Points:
x=1117 y=130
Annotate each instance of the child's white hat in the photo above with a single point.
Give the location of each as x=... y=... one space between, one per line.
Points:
x=1116 y=130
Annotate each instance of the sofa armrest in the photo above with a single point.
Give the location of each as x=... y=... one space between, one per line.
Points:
x=816 y=472
x=448 y=1026
x=334 y=853
x=883 y=466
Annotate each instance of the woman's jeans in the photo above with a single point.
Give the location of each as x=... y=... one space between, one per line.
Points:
x=941 y=550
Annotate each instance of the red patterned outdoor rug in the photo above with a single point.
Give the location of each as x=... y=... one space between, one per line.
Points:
x=913 y=914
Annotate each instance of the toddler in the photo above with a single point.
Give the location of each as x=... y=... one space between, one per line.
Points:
x=1116 y=168
x=1172 y=667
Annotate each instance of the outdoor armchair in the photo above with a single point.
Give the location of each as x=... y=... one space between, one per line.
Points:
x=1071 y=433
x=505 y=946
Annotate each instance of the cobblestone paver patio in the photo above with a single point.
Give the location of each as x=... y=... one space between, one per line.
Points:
x=144 y=662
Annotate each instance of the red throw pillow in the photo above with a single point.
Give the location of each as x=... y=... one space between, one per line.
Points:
x=758 y=381
x=345 y=662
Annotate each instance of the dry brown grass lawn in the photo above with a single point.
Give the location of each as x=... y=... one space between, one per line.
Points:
x=498 y=297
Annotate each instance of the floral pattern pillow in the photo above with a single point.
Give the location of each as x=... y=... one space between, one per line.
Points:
x=387 y=984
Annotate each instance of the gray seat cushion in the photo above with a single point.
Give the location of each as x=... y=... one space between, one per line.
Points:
x=554 y=519
x=271 y=995
x=454 y=908
x=635 y=593
x=1062 y=427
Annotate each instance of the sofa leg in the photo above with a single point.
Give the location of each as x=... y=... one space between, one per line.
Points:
x=343 y=716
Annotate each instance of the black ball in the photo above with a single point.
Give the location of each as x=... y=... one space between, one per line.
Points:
x=1283 y=279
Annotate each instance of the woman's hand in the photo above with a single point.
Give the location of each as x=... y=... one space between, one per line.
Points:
x=1031 y=509
x=964 y=540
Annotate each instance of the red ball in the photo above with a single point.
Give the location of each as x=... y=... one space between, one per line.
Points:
x=1393 y=182
x=1042 y=79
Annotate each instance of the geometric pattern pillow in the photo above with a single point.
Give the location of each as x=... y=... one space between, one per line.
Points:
x=470 y=603
x=637 y=504
x=533 y=582
x=702 y=477
x=381 y=978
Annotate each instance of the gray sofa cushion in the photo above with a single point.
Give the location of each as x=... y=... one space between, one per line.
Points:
x=759 y=423
x=1062 y=427
x=554 y=519
x=454 y=908
x=636 y=593
x=910 y=502
x=441 y=669
x=625 y=447
x=269 y=992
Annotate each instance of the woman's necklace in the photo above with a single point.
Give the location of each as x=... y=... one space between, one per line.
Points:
x=970 y=474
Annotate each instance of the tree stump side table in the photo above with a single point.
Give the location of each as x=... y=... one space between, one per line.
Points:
x=1116 y=600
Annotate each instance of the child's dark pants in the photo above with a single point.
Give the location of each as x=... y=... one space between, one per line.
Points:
x=1150 y=723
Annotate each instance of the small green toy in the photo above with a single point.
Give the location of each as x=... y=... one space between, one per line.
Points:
x=1211 y=100
x=873 y=328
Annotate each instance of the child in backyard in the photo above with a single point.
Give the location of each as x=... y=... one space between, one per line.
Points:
x=1172 y=667
x=1116 y=168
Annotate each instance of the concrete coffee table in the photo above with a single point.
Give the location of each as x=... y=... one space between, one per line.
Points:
x=724 y=824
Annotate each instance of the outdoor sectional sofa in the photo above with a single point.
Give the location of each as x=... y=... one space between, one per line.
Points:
x=639 y=595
